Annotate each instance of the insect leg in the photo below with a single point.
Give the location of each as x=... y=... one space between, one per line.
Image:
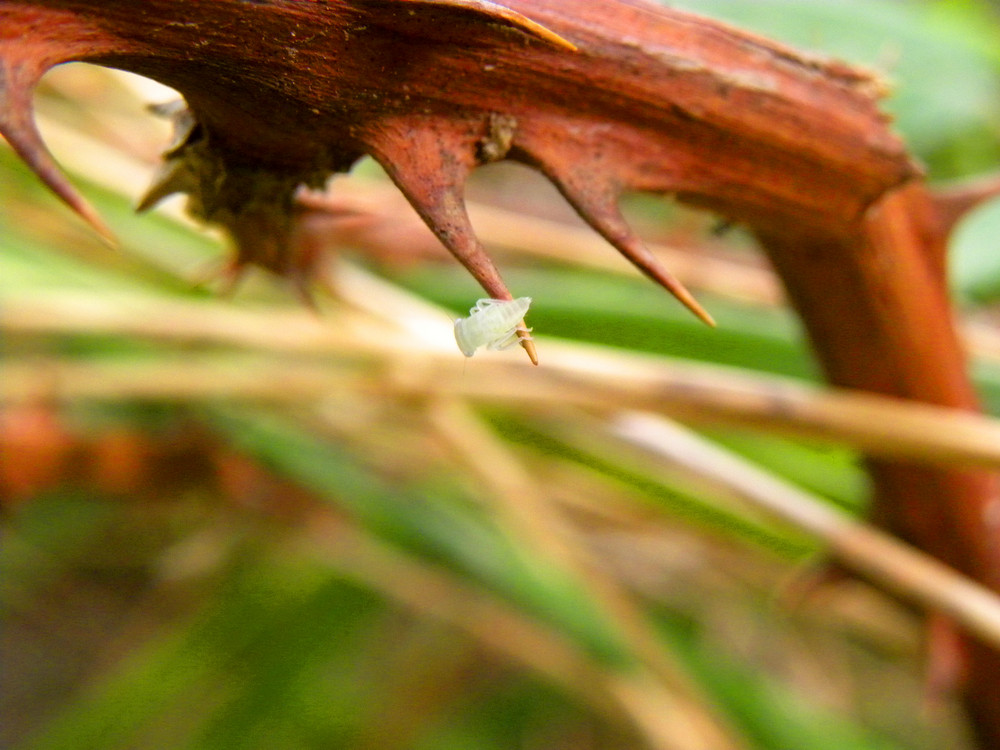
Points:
x=515 y=335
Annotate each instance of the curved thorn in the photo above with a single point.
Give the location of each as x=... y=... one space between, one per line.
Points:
x=426 y=163
x=954 y=201
x=175 y=173
x=599 y=208
x=182 y=120
x=172 y=177
x=513 y=19
x=17 y=125
x=416 y=162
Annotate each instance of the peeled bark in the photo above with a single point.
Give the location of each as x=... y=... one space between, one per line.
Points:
x=601 y=97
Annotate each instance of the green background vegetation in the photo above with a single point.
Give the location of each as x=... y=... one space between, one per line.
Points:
x=337 y=571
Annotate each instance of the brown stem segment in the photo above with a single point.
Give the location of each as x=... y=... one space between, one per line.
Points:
x=602 y=97
x=875 y=304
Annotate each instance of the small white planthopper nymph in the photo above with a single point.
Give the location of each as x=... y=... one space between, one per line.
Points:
x=492 y=323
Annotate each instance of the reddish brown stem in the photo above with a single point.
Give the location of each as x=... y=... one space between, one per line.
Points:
x=602 y=97
x=876 y=307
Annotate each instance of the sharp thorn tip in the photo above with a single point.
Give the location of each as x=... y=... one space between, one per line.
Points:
x=89 y=215
x=527 y=343
x=687 y=299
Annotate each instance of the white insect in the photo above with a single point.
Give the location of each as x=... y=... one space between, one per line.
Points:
x=492 y=323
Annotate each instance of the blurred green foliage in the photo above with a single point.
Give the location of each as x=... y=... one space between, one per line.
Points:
x=188 y=616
